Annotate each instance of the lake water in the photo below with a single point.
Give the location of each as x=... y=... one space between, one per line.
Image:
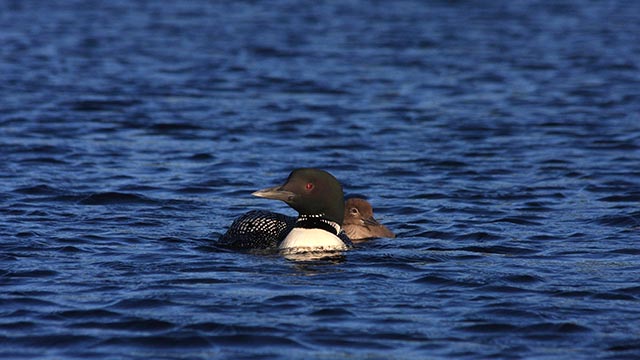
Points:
x=499 y=140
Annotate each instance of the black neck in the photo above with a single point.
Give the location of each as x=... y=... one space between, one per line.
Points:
x=316 y=223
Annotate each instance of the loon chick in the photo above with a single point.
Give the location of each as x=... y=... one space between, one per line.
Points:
x=317 y=197
x=359 y=223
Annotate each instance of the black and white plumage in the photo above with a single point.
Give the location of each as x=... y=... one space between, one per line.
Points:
x=317 y=197
x=257 y=229
x=261 y=229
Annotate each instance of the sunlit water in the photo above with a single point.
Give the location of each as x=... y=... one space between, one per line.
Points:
x=500 y=142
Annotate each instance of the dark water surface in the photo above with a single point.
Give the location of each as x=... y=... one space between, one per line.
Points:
x=499 y=140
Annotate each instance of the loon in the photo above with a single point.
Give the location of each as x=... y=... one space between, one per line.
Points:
x=318 y=198
x=359 y=223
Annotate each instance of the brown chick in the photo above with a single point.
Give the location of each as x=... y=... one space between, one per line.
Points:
x=359 y=222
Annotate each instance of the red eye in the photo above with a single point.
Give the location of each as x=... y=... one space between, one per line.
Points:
x=309 y=186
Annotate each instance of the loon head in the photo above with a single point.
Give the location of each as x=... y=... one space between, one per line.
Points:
x=311 y=192
x=359 y=222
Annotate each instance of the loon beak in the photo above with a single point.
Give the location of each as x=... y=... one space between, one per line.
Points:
x=371 y=222
x=377 y=229
x=275 y=193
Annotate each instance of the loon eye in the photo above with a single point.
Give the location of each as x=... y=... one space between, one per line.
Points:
x=309 y=186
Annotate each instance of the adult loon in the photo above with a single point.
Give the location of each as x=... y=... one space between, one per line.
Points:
x=318 y=198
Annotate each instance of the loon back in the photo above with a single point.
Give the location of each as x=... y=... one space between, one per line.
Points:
x=260 y=229
x=257 y=229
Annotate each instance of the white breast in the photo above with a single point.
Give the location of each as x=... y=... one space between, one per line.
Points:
x=302 y=240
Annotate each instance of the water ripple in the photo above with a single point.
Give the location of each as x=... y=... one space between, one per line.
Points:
x=499 y=142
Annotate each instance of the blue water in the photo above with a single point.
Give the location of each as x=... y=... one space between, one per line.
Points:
x=499 y=140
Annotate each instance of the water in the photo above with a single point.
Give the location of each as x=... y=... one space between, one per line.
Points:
x=499 y=140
